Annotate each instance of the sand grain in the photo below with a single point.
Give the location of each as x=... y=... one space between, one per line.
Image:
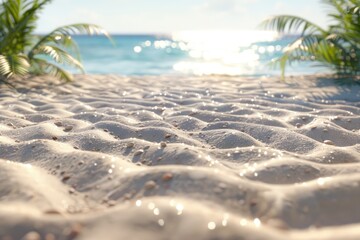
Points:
x=109 y=157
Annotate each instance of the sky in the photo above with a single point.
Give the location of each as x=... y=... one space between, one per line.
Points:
x=167 y=16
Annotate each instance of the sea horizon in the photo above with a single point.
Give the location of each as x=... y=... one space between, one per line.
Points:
x=226 y=52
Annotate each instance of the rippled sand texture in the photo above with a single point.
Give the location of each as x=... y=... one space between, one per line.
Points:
x=110 y=157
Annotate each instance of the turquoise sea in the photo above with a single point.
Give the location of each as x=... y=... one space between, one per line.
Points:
x=200 y=53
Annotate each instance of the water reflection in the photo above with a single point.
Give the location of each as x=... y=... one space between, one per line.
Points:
x=223 y=52
x=257 y=222
x=196 y=52
x=161 y=222
x=211 y=225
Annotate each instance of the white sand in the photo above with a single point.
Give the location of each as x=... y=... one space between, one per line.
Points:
x=110 y=157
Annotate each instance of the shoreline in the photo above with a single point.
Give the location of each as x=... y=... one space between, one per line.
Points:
x=164 y=157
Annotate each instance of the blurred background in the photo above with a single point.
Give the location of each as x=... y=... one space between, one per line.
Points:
x=183 y=37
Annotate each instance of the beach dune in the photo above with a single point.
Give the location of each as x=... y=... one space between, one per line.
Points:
x=172 y=157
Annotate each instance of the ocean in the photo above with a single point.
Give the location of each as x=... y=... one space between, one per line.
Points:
x=200 y=53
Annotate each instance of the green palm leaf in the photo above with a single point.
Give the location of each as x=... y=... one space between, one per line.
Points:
x=13 y=65
x=58 y=42
x=18 y=53
x=43 y=66
x=59 y=55
x=61 y=35
x=18 y=22
x=338 y=47
x=288 y=24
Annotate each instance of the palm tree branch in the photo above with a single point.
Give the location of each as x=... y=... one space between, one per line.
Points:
x=13 y=65
x=289 y=23
x=59 y=56
x=53 y=69
x=69 y=30
x=18 y=24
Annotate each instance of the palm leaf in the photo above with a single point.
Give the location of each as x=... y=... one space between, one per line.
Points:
x=59 y=55
x=18 y=51
x=18 y=23
x=296 y=51
x=44 y=66
x=338 y=47
x=61 y=35
x=289 y=24
x=13 y=65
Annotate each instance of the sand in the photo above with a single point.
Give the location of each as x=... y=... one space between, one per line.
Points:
x=163 y=157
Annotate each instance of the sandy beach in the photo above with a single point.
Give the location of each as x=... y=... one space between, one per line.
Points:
x=164 y=157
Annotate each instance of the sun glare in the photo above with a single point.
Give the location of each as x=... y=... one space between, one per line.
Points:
x=221 y=52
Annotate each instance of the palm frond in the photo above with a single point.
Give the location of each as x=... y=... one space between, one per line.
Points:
x=17 y=22
x=300 y=49
x=62 y=35
x=281 y=63
x=338 y=47
x=290 y=24
x=18 y=53
x=66 y=42
x=59 y=55
x=11 y=65
x=44 y=66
